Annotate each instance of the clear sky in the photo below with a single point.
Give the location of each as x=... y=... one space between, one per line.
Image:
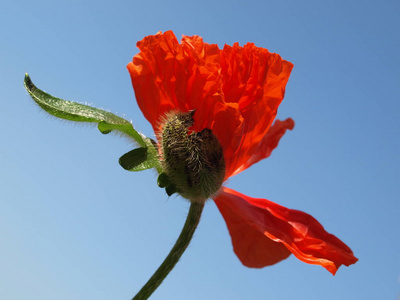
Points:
x=75 y=225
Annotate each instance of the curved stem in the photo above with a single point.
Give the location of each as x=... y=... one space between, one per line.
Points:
x=173 y=257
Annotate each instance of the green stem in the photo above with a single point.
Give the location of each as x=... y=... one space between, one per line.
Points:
x=173 y=257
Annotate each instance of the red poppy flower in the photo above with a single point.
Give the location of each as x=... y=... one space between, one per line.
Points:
x=235 y=92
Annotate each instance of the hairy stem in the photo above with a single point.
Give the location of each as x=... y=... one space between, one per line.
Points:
x=173 y=257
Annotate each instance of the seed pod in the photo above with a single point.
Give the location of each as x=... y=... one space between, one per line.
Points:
x=193 y=161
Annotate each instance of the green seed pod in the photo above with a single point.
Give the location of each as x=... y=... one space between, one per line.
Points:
x=193 y=161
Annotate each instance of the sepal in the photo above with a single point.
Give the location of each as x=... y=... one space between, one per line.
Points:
x=164 y=181
x=135 y=160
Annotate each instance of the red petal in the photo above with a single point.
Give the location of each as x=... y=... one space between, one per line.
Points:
x=168 y=76
x=251 y=246
x=256 y=80
x=149 y=82
x=269 y=142
x=235 y=91
x=299 y=232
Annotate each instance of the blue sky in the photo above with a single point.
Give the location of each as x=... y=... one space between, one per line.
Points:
x=75 y=225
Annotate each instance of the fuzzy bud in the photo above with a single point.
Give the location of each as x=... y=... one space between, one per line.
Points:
x=193 y=161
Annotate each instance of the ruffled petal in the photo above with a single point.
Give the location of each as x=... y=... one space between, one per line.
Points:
x=152 y=74
x=269 y=142
x=297 y=231
x=172 y=76
x=255 y=79
x=235 y=91
x=169 y=76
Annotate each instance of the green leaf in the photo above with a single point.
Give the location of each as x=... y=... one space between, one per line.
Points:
x=127 y=128
x=135 y=160
x=170 y=190
x=77 y=112
x=163 y=180
x=153 y=155
x=142 y=158
x=138 y=160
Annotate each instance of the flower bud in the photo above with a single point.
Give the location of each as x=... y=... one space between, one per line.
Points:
x=193 y=161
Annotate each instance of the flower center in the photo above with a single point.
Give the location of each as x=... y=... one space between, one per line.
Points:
x=193 y=161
